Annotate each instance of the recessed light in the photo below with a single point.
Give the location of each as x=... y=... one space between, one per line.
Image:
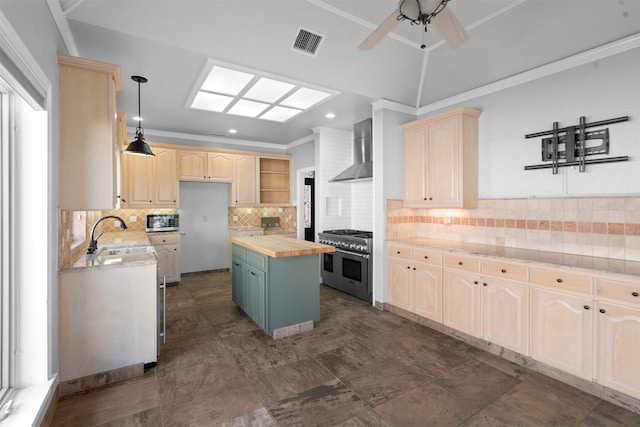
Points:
x=233 y=131
x=330 y=116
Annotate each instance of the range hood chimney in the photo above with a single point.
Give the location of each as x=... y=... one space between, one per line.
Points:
x=362 y=168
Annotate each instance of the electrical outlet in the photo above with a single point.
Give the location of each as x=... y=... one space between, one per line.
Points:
x=248 y=210
x=133 y=218
x=234 y=218
x=447 y=221
x=279 y=210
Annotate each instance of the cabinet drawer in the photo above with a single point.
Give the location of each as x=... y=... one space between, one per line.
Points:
x=561 y=279
x=427 y=256
x=620 y=290
x=461 y=262
x=239 y=252
x=505 y=270
x=399 y=251
x=257 y=260
x=161 y=239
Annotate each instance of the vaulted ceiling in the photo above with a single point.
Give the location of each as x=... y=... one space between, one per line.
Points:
x=172 y=42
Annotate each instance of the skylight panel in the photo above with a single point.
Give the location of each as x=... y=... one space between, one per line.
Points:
x=280 y=114
x=304 y=98
x=211 y=101
x=248 y=108
x=226 y=81
x=268 y=90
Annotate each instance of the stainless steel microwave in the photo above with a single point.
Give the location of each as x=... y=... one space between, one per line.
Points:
x=163 y=222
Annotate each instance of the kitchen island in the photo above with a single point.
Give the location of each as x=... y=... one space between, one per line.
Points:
x=276 y=281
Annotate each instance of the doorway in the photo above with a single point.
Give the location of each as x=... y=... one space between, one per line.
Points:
x=309 y=213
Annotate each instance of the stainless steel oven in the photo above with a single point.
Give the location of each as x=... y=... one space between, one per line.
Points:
x=349 y=268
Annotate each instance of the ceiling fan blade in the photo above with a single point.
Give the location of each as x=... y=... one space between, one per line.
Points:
x=379 y=33
x=449 y=27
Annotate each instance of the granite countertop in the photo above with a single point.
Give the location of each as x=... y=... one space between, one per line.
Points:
x=117 y=249
x=554 y=259
x=277 y=246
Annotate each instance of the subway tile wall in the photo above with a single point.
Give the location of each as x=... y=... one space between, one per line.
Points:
x=595 y=226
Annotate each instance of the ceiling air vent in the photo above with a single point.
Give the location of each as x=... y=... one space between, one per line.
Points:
x=307 y=42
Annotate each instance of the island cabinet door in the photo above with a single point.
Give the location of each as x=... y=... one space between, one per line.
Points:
x=237 y=282
x=255 y=295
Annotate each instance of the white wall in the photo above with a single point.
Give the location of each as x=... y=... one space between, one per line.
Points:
x=203 y=220
x=303 y=158
x=599 y=90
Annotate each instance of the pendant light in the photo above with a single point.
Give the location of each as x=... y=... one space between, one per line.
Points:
x=138 y=146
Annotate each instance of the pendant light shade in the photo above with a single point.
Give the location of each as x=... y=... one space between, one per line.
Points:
x=138 y=146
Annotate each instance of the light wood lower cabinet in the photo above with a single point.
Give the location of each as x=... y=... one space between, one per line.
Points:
x=562 y=331
x=618 y=347
x=167 y=246
x=505 y=314
x=415 y=287
x=461 y=302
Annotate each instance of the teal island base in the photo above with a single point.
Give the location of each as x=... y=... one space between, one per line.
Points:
x=282 y=295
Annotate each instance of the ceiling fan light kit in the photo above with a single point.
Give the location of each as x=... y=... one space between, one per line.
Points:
x=421 y=12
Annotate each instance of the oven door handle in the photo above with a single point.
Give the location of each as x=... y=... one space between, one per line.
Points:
x=342 y=251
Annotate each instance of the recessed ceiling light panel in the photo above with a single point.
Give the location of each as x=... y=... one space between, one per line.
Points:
x=226 y=81
x=304 y=98
x=248 y=108
x=211 y=101
x=280 y=114
x=268 y=90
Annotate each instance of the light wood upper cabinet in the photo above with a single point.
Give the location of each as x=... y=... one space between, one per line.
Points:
x=193 y=165
x=203 y=166
x=274 y=181
x=150 y=181
x=244 y=187
x=440 y=160
x=220 y=167
x=562 y=331
x=165 y=177
x=88 y=170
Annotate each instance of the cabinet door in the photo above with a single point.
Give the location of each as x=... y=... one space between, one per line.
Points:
x=193 y=165
x=443 y=163
x=561 y=328
x=398 y=282
x=413 y=166
x=461 y=302
x=256 y=290
x=220 y=167
x=505 y=314
x=168 y=266
x=618 y=348
x=427 y=291
x=137 y=181
x=237 y=282
x=165 y=177
x=244 y=184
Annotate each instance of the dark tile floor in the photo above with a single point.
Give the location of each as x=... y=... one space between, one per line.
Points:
x=358 y=367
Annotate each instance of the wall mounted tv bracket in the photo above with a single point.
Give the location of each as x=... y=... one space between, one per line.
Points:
x=571 y=145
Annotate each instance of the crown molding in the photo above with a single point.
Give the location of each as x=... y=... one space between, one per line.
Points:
x=582 y=58
x=385 y=104
x=214 y=139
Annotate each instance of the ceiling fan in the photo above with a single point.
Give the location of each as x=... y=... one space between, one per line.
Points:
x=421 y=12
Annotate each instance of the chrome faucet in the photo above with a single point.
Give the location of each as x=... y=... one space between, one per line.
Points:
x=93 y=243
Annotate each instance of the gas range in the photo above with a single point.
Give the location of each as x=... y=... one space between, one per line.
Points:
x=357 y=241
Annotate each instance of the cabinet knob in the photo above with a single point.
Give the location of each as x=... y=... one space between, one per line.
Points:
x=408 y=267
x=414 y=268
x=484 y=284
x=424 y=198
x=475 y=282
x=398 y=252
x=430 y=198
x=460 y=262
x=635 y=294
x=503 y=270
x=559 y=280
x=602 y=310
x=426 y=257
x=586 y=307
x=253 y=274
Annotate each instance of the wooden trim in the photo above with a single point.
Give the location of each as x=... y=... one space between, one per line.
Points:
x=204 y=149
x=93 y=65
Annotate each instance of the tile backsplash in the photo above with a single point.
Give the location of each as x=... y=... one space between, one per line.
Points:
x=252 y=216
x=594 y=226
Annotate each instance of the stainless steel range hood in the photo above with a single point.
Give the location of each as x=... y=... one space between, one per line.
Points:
x=362 y=168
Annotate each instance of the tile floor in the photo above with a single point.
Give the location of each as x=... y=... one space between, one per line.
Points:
x=358 y=367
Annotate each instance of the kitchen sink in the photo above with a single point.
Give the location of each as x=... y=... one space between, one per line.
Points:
x=121 y=254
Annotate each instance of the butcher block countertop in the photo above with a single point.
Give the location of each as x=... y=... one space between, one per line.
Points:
x=277 y=246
